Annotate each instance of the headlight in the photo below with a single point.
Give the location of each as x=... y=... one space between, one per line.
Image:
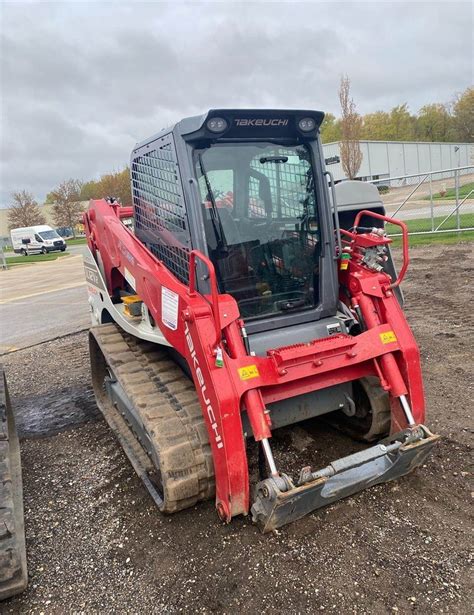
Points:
x=216 y=124
x=307 y=124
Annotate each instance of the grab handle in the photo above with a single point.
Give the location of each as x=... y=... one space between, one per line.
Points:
x=403 y=226
x=213 y=282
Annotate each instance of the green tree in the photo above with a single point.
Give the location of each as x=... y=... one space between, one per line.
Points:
x=67 y=208
x=463 y=116
x=376 y=126
x=24 y=211
x=89 y=191
x=116 y=184
x=434 y=123
x=402 y=124
x=330 y=129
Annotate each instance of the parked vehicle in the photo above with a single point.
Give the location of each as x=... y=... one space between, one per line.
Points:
x=36 y=239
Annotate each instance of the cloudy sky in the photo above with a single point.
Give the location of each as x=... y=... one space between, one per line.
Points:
x=81 y=82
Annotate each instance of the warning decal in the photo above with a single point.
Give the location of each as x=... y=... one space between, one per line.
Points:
x=388 y=337
x=169 y=308
x=248 y=372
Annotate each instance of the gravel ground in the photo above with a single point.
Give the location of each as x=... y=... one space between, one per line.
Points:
x=96 y=544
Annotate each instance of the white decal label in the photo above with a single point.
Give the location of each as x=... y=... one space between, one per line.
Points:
x=130 y=279
x=169 y=308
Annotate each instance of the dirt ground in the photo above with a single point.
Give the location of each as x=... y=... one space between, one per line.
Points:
x=96 y=543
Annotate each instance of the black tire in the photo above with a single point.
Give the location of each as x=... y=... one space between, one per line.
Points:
x=63 y=249
x=24 y=252
x=44 y=251
x=372 y=417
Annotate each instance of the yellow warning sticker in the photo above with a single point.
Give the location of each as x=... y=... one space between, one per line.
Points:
x=344 y=265
x=248 y=372
x=388 y=337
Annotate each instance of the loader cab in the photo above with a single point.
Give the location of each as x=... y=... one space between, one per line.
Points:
x=253 y=197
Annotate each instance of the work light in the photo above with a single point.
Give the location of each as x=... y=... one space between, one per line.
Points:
x=216 y=124
x=307 y=124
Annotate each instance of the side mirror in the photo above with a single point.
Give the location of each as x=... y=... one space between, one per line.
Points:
x=25 y=242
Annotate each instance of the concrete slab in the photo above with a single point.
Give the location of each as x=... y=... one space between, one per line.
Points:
x=41 y=302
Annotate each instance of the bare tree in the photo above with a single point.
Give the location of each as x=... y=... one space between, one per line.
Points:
x=351 y=126
x=67 y=208
x=24 y=211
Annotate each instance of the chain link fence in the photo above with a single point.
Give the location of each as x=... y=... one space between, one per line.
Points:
x=433 y=202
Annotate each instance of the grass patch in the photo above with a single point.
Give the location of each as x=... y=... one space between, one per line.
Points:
x=76 y=242
x=424 y=240
x=451 y=193
x=34 y=258
x=424 y=224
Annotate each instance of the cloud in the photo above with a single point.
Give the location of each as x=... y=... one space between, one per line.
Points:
x=82 y=82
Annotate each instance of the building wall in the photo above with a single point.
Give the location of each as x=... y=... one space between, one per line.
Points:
x=394 y=158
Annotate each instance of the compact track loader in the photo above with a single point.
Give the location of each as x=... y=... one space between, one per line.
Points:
x=235 y=298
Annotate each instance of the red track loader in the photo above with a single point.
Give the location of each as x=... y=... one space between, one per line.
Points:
x=235 y=298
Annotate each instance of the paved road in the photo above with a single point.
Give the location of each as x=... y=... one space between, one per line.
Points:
x=42 y=301
x=417 y=209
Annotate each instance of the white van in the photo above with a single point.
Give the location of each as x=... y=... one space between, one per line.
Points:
x=36 y=239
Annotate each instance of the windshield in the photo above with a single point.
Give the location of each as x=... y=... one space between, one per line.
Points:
x=261 y=224
x=49 y=235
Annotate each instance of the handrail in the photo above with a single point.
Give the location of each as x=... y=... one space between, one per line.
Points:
x=403 y=226
x=213 y=282
x=411 y=194
x=387 y=179
x=336 y=213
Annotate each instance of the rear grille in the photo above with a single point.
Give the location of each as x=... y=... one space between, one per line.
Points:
x=160 y=215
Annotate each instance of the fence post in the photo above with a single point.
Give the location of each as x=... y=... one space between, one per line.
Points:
x=431 y=203
x=458 y=215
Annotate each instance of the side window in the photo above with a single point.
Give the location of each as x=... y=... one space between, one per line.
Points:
x=222 y=184
x=38 y=238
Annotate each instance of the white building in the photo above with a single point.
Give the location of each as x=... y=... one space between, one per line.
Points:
x=383 y=159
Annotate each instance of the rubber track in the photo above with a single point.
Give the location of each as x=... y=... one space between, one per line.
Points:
x=166 y=401
x=13 y=573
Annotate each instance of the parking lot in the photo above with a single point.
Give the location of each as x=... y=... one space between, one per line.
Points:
x=97 y=544
x=42 y=301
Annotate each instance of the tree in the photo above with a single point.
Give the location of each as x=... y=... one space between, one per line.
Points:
x=463 y=116
x=402 y=124
x=351 y=124
x=67 y=209
x=330 y=129
x=376 y=126
x=116 y=184
x=24 y=211
x=433 y=123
